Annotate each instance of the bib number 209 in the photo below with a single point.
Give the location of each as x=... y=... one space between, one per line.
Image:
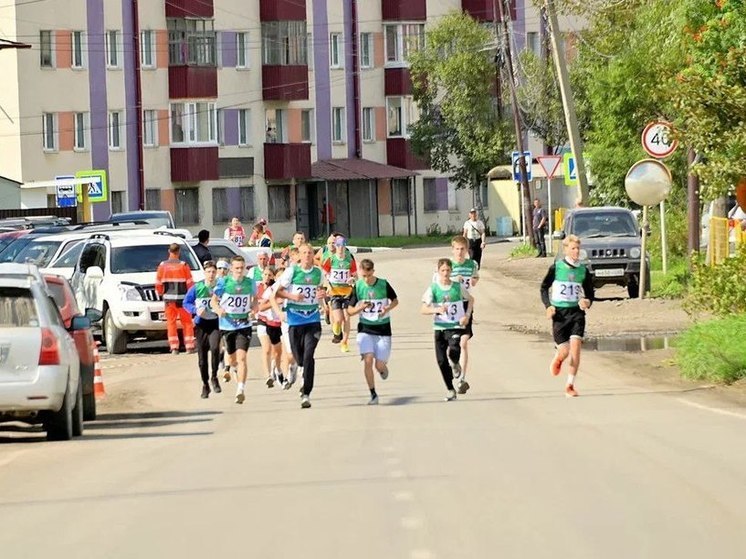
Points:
x=236 y=304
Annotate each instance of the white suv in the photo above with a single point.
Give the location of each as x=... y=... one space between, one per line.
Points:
x=116 y=275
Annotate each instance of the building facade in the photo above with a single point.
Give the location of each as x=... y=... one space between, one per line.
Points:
x=220 y=108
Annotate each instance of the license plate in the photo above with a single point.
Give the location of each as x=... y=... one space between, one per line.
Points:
x=161 y=316
x=609 y=272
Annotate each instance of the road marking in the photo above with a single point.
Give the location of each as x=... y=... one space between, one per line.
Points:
x=403 y=496
x=389 y=449
x=421 y=554
x=392 y=461
x=713 y=410
x=411 y=522
x=396 y=474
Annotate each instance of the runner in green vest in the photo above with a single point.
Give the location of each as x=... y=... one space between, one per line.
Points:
x=450 y=305
x=341 y=273
x=571 y=295
x=256 y=273
x=466 y=272
x=373 y=299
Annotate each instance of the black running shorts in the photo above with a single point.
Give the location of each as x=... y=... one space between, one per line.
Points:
x=237 y=339
x=568 y=323
x=339 y=303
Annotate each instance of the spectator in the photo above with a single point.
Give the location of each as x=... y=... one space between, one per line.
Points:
x=200 y=249
x=475 y=232
x=327 y=216
x=235 y=232
x=540 y=228
x=259 y=237
x=263 y=222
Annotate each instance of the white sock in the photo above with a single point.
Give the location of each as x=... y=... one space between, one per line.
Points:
x=241 y=387
x=570 y=380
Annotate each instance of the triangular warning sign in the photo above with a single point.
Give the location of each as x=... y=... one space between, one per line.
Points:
x=550 y=164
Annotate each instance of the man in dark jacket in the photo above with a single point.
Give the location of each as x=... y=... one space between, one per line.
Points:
x=200 y=249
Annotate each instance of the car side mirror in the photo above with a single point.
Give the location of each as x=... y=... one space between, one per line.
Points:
x=94 y=315
x=558 y=235
x=94 y=272
x=80 y=323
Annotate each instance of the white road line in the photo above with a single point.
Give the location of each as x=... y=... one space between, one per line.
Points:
x=719 y=411
x=403 y=496
x=411 y=522
x=421 y=554
x=396 y=474
x=392 y=461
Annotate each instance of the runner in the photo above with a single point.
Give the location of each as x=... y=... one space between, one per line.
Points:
x=233 y=299
x=298 y=239
x=341 y=272
x=571 y=295
x=256 y=273
x=197 y=302
x=223 y=270
x=319 y=258
x=373 y=299
x=302 y=285
x=445 y=300
x=466 y=272
x=288 y=361
x=269 y=330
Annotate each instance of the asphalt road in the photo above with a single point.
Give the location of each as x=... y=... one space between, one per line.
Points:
x=630 y=469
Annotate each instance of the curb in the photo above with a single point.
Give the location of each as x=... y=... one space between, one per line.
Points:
x=362 y=250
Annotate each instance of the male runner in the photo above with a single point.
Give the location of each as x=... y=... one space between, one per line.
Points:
x=341 y=273
x=269 y=329
x=298 y=239
x=256 y=273
x=289 y=365
x=224 y=268
x=303 y=286
x=466 y=272
x=373 y=299
x=571 y=295
x=445 y=300
x=233 y=300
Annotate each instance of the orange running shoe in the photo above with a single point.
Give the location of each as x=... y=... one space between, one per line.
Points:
x=570 y=391
x=555 y=367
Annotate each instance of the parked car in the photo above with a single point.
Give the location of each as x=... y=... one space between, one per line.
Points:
x=39 y=364
x=221 y=248
x=610 y=245
x=60 y=290
x=155 y=218
x=116 y=275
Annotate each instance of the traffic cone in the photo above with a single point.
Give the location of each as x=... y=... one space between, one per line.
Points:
x=98 y=377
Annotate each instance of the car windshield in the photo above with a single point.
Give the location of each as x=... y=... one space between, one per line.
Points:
x=604 y=224
x=135 y=259
x=39 y=253
x=12 y=250
x=17 y=308
x=154 y=220
x=70 y=257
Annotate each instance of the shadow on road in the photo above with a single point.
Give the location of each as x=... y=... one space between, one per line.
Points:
x=139 y=424
x=117 y=436
x=153 y=415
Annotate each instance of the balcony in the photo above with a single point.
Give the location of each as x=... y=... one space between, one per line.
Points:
x=399 y=154
x=287 y=161
x=481 y=10
x=190 y=8
x=192 y=82
x=282 y=10
x=398 y=81
x=284 y=83
x=193 y=164
x=404 y=10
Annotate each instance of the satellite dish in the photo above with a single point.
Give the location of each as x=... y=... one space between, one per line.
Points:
x=648 y=182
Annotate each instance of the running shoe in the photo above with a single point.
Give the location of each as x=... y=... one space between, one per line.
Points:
x=305 y=402
x=270 y=382
x=205 y=391
x=556 y=367
x=337 y=338
x=345 y=347
x=451 y=396
x=373 y=400
x=292 y=375
x=570 y=391
x=385 y=373
x=463 y=386
x=227 y=375
x=216 y=385
x=456 y=368
x=174 y=352
x=240 y=397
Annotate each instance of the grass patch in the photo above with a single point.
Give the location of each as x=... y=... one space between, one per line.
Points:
x=714 y=350
x=400 y=241
x=523 y=250
x=672 y=285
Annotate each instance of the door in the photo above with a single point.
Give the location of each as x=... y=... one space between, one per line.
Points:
x=302 y=222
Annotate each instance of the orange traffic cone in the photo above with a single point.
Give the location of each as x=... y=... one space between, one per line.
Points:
x=98 y=377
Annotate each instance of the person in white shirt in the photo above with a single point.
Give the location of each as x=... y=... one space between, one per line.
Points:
x=475 y=233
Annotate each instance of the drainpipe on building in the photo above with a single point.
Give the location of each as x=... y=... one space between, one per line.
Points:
x=356 y=79
x=138 y=103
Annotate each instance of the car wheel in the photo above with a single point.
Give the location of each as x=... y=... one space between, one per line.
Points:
x=633 y=287
x=89 y=407
x=59 y=424
x=115 y=339
x=77 y=413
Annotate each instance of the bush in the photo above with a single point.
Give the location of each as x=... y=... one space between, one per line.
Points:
x=721 y=289
x=524 y=250
x=676 y=231
x=714 y=350
x=672 y=285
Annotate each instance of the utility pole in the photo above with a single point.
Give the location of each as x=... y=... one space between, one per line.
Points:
x=508 y=58
x=568 y=103
x=692 y=183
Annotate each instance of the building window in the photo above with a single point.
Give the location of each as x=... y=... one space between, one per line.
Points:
x=147 y=48
x=80 y=121
x=369 y=124
x=430 y=191
x=223 y=204
x=244 y=127
x=284 y=43
x=186 y=206
x=242 y=50
x=115 y=130
x=153 y=199
x=401 y=112
x=306 y=125
x=112 y=49
x=366 y=50
x=400 y=196
x=150 y=128
x=78 y=40
x=191 y=42
x=276 y=126
x=532 y=42
x=338 y=125
x=335 y=50
x=401 y=40
x=279 y=202
x=49 y=131
x=46 y=49
x=117 y=201
x=309 y=46
x=194 y=123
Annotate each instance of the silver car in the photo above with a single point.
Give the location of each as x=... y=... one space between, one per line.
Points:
x=39 y=365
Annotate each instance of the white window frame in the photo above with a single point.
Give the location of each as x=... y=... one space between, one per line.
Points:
x=338 y=123
x=367 y=47
x=115 y=127
x=401 y=46
x=336 y=51
x=81 y=126
x=190 y=122
x=311 y=127
x=408 y=114
x=244 y=127
x=243 y=51
x=280 y=119
x=368 y=123
x=151 y=122
x=147 y=37
x=46 y=119
x=52 y=47
x=113 y=58
x=79 y=60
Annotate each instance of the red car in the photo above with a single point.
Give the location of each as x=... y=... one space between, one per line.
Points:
x=60 y=290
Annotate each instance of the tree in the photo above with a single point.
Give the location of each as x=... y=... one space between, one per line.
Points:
x=453 y=79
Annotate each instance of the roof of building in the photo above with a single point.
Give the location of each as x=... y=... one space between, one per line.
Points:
x=356 y=169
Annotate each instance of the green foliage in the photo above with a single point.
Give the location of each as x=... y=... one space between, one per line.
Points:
x=540 y=100
x=677 y=228
x=719 y=290
x=523 y=250
x=400 y=241
x=714 y=350
x=453 y=85
x=672 y=285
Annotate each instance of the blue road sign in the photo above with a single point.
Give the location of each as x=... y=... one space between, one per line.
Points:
x=517 y=166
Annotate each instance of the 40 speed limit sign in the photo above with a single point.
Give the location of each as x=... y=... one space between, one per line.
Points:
x=658 y=140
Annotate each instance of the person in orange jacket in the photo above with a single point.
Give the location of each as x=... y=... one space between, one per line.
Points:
x=173 y=280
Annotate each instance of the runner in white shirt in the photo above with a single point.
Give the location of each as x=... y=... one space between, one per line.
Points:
x=269 y=330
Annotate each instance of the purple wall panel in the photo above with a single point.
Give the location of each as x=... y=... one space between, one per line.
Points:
x=320 y=50
x=230 y=127
x=349 y=78
x=234 y=199
x=130 y=113
x=229 y=55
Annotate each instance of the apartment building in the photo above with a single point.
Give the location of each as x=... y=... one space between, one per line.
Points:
x=249 y=108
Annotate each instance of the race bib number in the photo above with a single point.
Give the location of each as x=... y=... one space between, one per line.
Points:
x=566 y=291
x=308 y=292
x=454 y=312
x=374 y=309
x=202 y=304
x=235 y=304
x=467 y=282
x=238 y=239
x=339 y=276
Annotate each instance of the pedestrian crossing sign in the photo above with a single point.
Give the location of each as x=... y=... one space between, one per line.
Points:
x=570 y=169
x=98 y=188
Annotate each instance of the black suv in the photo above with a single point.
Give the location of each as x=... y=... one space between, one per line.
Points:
x=609 y=244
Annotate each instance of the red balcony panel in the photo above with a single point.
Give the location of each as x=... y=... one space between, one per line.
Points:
x=282 y=10
x=284 y=83
x=404 y=10
x=398 y=81
x=399 y=154
x=287 y=161
x=190 y=8
x=481 y=10
x=192 y=82
x=193 y=164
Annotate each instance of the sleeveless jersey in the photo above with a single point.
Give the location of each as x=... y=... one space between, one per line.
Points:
x=305 y=311
x=567 y=287
x=450 y=298
x=202 y=298
x=375 y=295
x=339 y=274
x=467 y=269
x=256 y=275
x=235 y=300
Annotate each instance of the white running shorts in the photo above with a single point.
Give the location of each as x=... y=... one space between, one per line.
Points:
x=379 y=346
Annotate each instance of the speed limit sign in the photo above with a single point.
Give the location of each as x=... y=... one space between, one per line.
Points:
x=658 y=140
